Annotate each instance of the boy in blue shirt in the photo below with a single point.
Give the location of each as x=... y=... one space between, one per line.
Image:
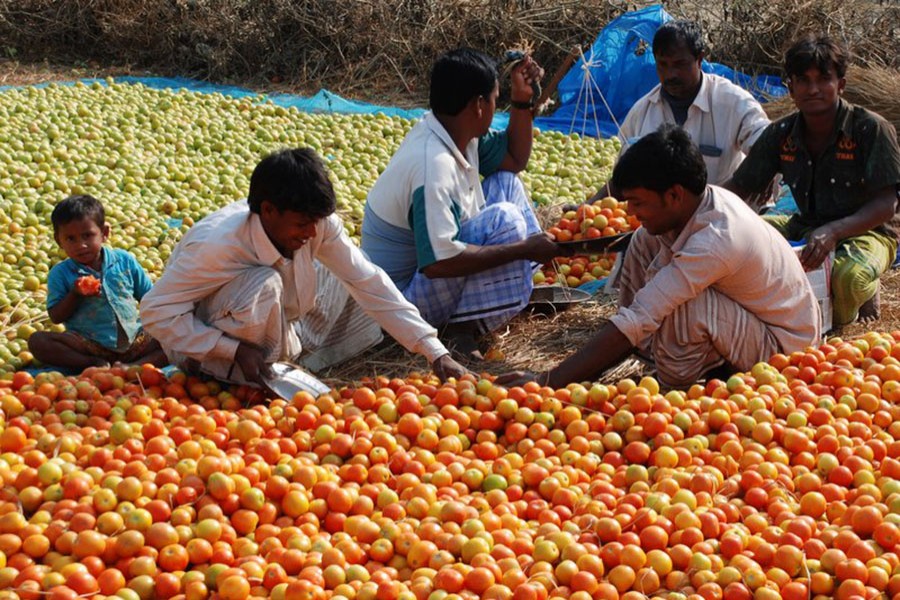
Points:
x=101 y=318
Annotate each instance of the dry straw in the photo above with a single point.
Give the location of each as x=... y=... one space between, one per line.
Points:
x=384 y=48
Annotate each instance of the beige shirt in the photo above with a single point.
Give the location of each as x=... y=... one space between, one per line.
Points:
x=729 y=248
x=231 y=240
x=723 y=121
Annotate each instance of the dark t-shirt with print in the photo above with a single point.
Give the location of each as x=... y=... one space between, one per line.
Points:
x=861 y=158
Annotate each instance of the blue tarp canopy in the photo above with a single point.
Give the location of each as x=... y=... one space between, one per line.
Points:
x=619 y=69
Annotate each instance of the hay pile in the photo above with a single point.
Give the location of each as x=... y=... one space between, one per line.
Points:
x=384 y=48
x=531 y=342
x=875 y=88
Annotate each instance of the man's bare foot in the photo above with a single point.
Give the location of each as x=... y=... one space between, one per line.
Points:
x=871 y=310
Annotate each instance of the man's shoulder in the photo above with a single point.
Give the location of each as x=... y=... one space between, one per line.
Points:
x=120 y=256
x=219 y=223
x=865 y=120
x=62 y=267
x=722 y=86
x=782 y=127
x=730 y=215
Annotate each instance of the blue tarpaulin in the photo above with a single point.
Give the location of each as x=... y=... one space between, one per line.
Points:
x=619 y=69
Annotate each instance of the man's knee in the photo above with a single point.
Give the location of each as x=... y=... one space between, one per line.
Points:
x=507 y=223
x=852 y=284
x=504 y=186
x=849 y=276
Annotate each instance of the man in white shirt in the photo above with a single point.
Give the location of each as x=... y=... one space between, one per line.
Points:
x=722 y=118
x=458 y=248
x=242 y=289
x=706 y=282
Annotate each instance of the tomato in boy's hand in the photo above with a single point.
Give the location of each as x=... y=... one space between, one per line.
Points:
x=87 y=285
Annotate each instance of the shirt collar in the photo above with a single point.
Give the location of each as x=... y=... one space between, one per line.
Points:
x=444 y=136
x=843 y=123
x=105 y=263
x=701 y=100
x=263 y=247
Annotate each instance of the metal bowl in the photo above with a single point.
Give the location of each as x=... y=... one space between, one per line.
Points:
x=552 y=298
x=288 y=379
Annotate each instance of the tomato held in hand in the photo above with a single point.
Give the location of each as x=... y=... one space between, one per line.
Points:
x=88 y=285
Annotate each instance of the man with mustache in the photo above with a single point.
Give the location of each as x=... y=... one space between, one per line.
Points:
x=722 y=119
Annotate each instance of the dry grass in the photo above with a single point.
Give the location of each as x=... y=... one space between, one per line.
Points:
x=533 y=341
x=377 y=49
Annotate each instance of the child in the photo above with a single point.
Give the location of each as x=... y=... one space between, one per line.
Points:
x=101 y=317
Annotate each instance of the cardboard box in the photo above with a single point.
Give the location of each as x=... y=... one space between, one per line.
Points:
x=820 y=280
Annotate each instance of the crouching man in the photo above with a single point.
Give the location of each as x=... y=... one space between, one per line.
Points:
x=263 y=279
x=706 y=283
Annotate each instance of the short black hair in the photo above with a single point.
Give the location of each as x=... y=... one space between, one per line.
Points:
x=458 y=76
x=76 y=208
x=660 y=160
x=293 y=179
x=673 y=34
x=819 y=51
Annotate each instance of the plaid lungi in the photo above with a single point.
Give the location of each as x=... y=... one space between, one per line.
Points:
x=491 y=297
x=251 y=308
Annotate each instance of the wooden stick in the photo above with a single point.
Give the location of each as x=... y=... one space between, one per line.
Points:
x=548 y=91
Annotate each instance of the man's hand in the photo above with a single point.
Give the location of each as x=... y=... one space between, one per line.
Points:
x=541 y=247
x=818 y=245
x=252 y=362
x=520 y=378
x=445 y=367
x=524 y=78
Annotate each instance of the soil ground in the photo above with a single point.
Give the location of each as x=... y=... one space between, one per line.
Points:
x=532 y=341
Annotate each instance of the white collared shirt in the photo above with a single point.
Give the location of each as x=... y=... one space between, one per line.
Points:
x=727 y=247
x=724 y=121
x=430 y=183
x=232 y=239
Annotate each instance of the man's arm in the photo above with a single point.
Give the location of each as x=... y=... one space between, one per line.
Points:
x=474 y=259
x=606 y=349
x=168 y=309
x=877 y=211
x=519 y=131
x=65 y=308
x=753 y=179
x=753 y=123
x=370 y=286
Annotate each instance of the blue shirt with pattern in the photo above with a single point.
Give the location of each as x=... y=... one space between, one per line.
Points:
x=123 y=283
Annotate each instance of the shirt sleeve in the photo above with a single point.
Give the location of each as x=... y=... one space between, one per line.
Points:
x=58 y=285
x=762 y=163
x=882 y=164
x=434 y=219
x=753 y=123
x=691 y=271
x=492 y=148
x=370 y=286
x=168 y=308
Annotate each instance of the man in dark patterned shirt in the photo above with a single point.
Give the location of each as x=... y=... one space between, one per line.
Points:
x=842 y=163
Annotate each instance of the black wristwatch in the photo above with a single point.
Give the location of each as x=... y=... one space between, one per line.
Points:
x=523 y=105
